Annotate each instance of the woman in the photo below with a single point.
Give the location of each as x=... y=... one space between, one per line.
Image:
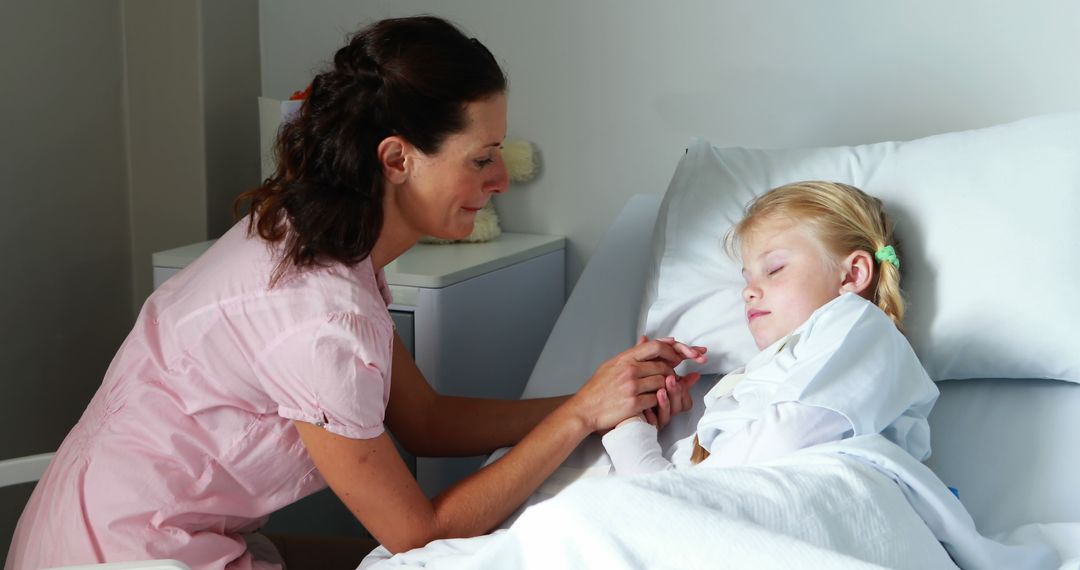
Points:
x=269 y=367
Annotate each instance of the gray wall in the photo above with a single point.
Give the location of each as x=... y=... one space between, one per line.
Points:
x=231 y=85
x=193 y=82
x=612 y=90
x=65 y=293
x=168 y=141
x=128 y=127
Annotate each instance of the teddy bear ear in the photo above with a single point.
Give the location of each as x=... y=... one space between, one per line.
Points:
x=520 y=158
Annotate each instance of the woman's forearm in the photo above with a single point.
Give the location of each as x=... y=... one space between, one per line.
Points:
x=481 y=501
x=476 y=426
x=620 y=388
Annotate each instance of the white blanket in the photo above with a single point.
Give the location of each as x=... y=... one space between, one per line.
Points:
x=860 y=503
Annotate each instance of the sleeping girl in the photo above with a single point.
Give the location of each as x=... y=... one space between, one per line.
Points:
x=823 y=304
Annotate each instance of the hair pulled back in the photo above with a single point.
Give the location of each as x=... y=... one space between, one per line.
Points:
x=844 y=219
x=411 y=77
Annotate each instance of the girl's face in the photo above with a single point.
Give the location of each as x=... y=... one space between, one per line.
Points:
x=446 y=189
x=789 y=275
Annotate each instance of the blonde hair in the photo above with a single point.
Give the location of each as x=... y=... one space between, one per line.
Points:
x=844 y=219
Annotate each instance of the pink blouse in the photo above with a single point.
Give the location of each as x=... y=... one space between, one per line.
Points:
x=189 y=444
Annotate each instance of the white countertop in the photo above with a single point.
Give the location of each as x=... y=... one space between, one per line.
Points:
x=439 y=265
x=180 y=257
x=425 y=265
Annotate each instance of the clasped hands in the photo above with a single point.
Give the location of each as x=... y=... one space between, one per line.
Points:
x=640 y=382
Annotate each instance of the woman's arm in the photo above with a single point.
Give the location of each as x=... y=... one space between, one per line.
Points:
x=372 y=480
x=475 y=426
x=433 y=425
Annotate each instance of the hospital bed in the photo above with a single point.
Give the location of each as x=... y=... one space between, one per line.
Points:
x=1004 y=443
x=1008 y=446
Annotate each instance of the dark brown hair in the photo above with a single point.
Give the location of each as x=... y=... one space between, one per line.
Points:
x=411 y=77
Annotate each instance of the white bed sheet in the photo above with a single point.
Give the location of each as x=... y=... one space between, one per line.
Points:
x=861 y=503
x=810 y=509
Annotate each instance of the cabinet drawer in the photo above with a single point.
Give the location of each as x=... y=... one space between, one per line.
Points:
x=404 y=322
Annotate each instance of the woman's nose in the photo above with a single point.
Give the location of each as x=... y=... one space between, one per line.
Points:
x=500 y=179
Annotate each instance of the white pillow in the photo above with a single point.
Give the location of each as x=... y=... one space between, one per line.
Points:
x=988 y=221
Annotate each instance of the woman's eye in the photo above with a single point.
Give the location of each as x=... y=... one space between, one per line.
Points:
x=482 y=162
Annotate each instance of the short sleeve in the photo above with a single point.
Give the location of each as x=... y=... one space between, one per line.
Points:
x=332 y=372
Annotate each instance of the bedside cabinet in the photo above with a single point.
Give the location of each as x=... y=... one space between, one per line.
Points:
x=474 y=316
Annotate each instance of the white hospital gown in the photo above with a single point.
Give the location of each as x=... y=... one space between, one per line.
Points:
x=846 y=371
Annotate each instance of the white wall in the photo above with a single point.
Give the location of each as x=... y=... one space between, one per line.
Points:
x=611 y=91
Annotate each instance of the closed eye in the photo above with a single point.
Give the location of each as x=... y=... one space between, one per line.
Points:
x=777 y=270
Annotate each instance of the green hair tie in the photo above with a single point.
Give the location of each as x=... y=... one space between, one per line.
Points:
x=887 y=253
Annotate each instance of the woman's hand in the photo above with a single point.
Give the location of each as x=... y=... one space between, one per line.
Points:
x=674 y=398
x=628 y=384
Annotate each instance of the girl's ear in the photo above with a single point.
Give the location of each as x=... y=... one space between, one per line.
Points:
x=392 y=152
x=858 y=272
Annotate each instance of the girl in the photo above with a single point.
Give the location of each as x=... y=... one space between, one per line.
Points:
x=823 y=303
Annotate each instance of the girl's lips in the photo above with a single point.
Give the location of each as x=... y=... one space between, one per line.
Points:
x=755 y=313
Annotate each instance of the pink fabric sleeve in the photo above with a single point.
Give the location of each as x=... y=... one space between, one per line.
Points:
x=332 y=372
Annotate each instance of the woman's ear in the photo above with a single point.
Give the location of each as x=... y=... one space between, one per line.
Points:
x=391 y=152
x=858 y=272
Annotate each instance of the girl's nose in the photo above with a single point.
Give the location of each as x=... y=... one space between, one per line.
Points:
x=750 y=293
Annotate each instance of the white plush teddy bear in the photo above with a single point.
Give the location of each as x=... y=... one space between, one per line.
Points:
x=520 y=158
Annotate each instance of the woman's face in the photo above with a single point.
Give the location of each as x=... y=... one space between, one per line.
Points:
x=445 y=190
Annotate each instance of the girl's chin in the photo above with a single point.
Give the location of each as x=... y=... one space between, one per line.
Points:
x=763 y=342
